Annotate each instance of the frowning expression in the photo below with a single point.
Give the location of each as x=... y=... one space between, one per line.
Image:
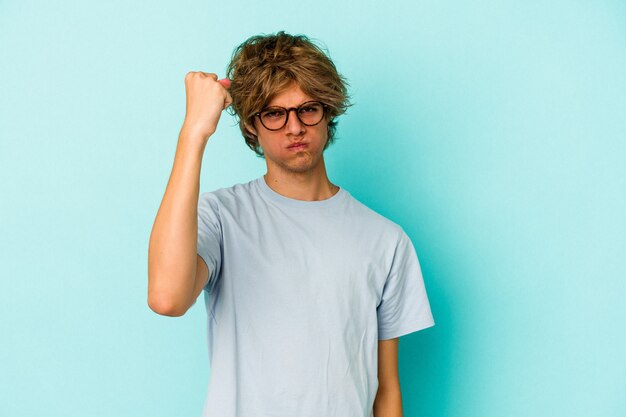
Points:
x=295 y=147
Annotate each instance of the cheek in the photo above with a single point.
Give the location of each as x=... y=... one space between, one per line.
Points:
x=269 y=144
x=323 y=134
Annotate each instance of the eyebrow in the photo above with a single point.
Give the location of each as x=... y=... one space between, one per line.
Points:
x=276 y=105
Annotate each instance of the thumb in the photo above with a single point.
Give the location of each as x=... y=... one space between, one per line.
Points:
x=225 y=82
x=228 y=101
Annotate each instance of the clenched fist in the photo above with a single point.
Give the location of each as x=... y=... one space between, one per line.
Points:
x=206 y=98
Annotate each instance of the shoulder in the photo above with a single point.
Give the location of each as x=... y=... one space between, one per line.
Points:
x=379 y=224
x=226 y=196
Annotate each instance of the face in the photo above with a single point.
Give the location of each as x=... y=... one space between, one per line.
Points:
x=276 y=145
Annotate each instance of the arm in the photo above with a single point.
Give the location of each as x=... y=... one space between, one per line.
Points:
x=388 y=402
x=176 y=274
x=173 y=280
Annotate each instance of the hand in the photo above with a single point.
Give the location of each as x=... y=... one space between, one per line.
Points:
x=206 y=98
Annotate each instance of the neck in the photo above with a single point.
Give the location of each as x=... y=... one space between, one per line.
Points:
x=307 y=186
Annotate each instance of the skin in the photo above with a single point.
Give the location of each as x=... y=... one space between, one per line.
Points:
x=176 y=274
x=388 y=402
x=299 y=175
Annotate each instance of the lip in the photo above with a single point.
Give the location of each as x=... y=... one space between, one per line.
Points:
x=297 y=146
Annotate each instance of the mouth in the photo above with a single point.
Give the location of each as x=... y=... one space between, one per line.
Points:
x=297 y=146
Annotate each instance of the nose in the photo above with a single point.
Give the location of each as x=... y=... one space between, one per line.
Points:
x=294 y=125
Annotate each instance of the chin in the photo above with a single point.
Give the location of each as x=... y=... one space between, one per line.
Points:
x=298 y=166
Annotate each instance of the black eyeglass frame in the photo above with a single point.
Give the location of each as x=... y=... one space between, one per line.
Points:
x=288 y=112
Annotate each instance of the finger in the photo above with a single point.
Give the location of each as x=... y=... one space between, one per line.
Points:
x=228 y=100
x=225 y=82
x=210 y=75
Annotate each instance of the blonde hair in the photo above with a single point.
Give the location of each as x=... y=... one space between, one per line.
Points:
x=265 y=65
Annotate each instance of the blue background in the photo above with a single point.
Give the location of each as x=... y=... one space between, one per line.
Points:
x=493 y=132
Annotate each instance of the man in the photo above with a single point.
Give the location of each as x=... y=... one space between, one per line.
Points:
x=306 y=289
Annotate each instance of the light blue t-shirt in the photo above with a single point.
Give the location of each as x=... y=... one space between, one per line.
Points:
x=299 y=293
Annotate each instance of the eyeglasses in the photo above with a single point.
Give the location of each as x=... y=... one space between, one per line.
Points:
x=275 y=117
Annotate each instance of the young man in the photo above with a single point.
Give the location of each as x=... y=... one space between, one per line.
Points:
x=306 y=289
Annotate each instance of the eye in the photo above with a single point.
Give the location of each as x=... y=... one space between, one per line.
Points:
x=273 y=113
x=310 y=108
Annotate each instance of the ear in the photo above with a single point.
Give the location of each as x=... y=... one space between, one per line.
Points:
x=250 y=128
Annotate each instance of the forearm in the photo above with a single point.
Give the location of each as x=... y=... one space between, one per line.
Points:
x=388 y=403
x=172 y=258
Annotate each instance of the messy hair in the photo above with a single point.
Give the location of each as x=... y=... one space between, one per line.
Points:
x=264 y=65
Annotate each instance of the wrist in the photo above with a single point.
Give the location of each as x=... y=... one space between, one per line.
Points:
x=190 y=135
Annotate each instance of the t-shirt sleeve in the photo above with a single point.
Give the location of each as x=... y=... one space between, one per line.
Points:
x=404 y=307
x=210 y=237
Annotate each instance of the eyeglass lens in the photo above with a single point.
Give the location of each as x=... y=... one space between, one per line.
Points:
x=310 y=114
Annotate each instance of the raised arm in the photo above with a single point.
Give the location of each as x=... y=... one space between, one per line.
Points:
x=176 y=274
